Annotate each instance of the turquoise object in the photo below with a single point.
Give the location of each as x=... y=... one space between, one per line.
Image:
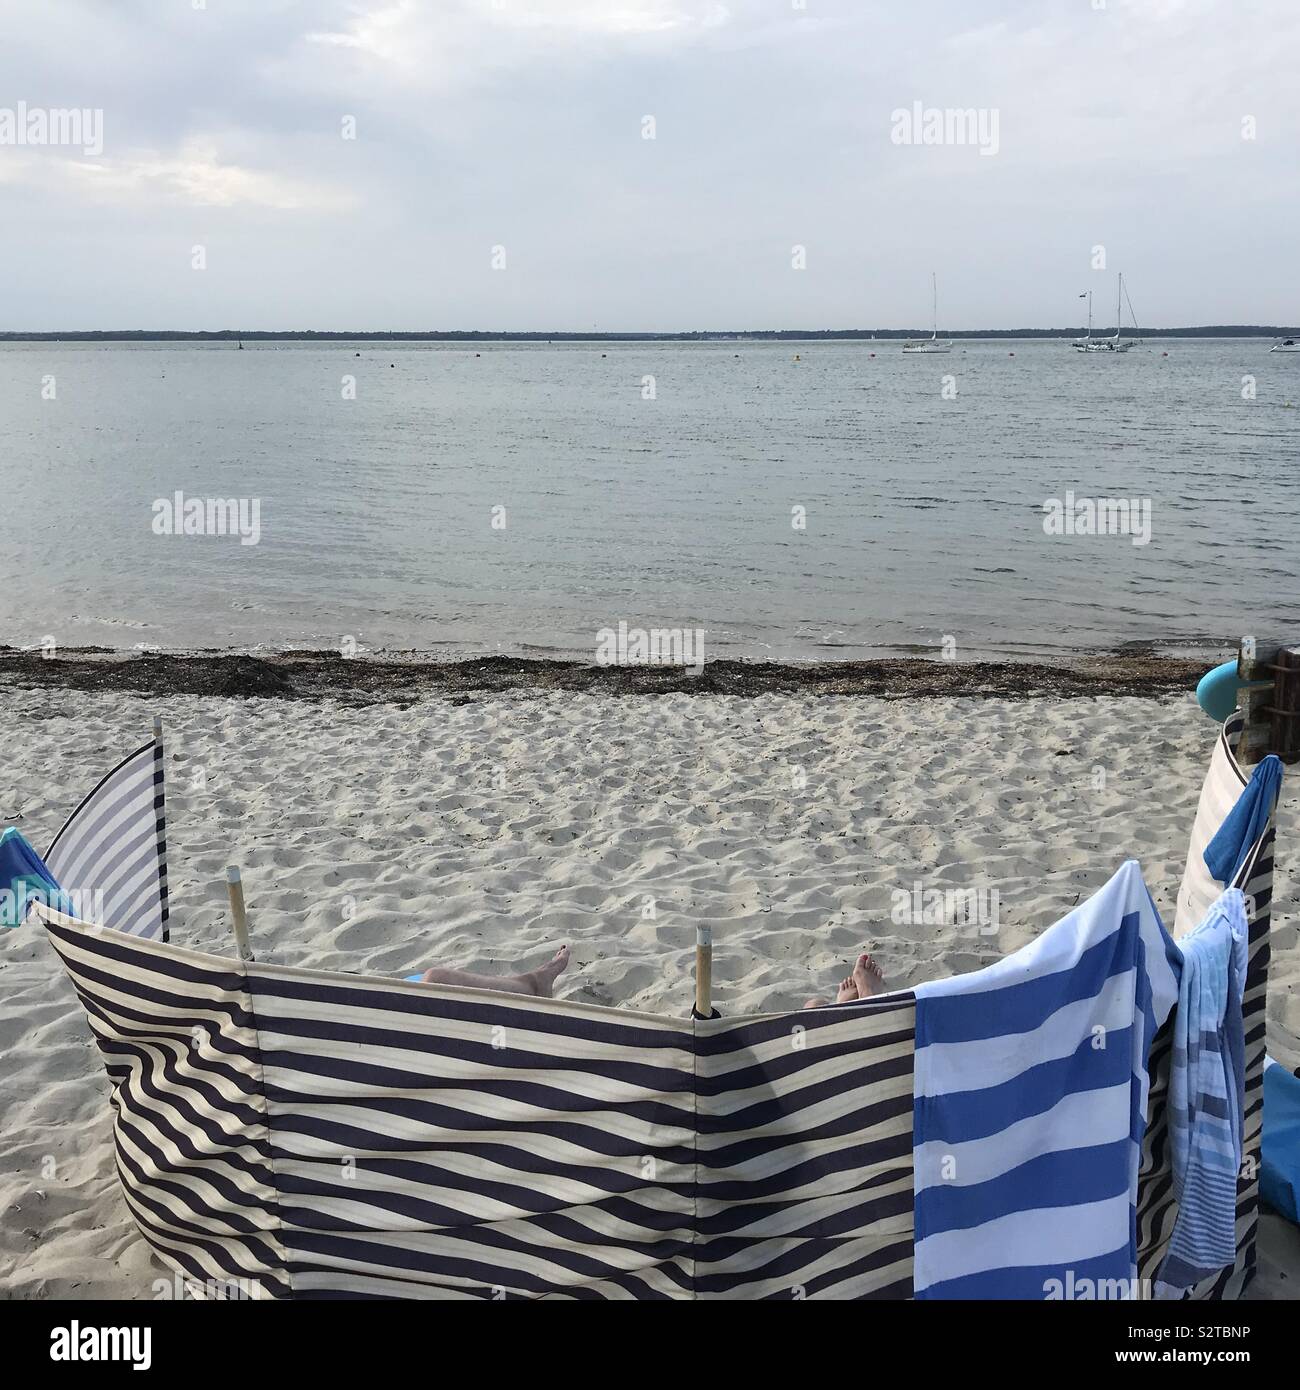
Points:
x=1218 y=690
x=1216 y=693
x=23 y=877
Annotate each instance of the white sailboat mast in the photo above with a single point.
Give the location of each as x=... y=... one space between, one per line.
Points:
x=1119 y=302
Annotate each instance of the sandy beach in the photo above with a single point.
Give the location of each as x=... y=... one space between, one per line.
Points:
x=482 y=831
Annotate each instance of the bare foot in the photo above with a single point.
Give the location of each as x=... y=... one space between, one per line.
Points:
x=542 y=980
x=848 y=990
x=868 y=977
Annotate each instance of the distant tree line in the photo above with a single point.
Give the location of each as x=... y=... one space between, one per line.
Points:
x=307 y=335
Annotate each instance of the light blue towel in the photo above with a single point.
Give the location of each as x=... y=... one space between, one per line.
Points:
x=1245 y=823
x=1207 y=1081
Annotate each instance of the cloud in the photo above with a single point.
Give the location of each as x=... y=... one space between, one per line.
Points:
x=462 y=42
x=387 y=30
x=195 y=176
x=592 y=17
x=519 y=122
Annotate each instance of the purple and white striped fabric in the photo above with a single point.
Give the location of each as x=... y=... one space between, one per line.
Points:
x=111 y=855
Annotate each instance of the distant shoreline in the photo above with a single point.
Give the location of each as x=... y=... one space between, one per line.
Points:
x=314 y=675
x=783 y=335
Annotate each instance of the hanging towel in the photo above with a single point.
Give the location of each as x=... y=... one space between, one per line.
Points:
x=1245 y=823
x=23 y=876
x=1279 y=1177
x=1029 y=1106
x=1207 y=1081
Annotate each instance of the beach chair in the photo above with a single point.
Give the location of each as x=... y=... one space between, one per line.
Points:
x=295 y=1133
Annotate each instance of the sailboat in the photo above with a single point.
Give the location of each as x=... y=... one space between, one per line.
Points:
x=932 y=343
x=1091 y=344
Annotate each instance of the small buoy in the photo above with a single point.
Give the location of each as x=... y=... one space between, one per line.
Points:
x=1011 y=354
x=356 y=354
x=604 y=354
x=871 y=354
x=796 y=357
x=1164 y=354
x=478 y=354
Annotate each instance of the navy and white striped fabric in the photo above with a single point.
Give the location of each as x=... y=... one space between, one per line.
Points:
x=300 y=1134
x=308 y=1135
x=111 y=855
x=1030 y=1106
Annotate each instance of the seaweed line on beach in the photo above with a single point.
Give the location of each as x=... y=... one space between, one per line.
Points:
x=314 y=675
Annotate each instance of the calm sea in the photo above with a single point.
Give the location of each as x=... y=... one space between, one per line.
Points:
x=852 y=501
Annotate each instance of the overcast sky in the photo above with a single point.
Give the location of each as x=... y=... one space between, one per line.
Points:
x=520 y=124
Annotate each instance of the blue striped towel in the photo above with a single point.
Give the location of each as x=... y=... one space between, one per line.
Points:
x=1029 y=1106
x=1207 y=1084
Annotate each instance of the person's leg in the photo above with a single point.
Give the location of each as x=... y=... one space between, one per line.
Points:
x=539 y=982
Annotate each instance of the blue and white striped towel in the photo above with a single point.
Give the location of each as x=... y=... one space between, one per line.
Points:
x=1030 y=1100
x=1207 y=1095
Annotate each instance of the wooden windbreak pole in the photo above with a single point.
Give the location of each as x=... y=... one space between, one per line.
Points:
x=1269 y=697
x=235 y=887
x=704 y=972
x=1285 y=705
x=1255 y=660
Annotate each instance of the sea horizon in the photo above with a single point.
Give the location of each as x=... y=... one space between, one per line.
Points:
x=835 y=500
x=529 y=335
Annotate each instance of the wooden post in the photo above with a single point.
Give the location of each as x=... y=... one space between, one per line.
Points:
x=235 y=887
x=1255 y=661
x=1285 y=705
x=157 y=728
x=704 y=972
